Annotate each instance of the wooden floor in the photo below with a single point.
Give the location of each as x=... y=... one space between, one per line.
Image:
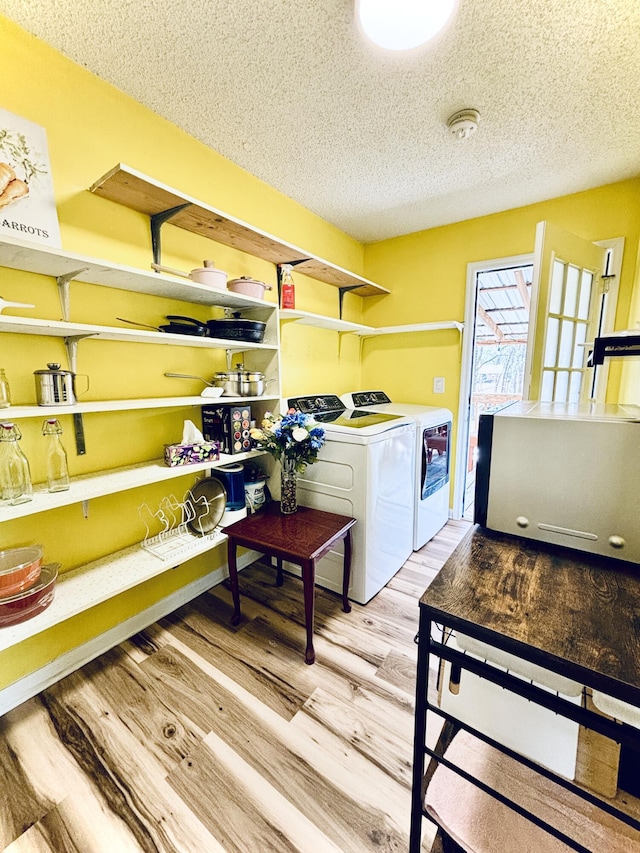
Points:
x=197 y=737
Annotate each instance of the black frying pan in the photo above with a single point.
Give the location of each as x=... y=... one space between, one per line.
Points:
x=177 y=326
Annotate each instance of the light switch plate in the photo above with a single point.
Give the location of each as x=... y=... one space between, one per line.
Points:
x=438 y=384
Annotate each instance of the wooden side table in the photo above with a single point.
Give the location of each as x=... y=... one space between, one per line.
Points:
x=302 y=538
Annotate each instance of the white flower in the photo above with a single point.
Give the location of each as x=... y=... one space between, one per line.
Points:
x=299 y=434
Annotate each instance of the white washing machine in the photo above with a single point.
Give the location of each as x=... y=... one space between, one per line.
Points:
x=432 y=458
x=364 y=470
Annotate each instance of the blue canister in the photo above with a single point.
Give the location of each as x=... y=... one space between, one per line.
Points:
x=233 y=478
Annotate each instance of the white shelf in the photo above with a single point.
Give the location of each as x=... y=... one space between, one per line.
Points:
x=132 y=189
x=109 y=482
x=305 y=318
x=416 y=327
x=319 y=321
x=87 y=586
x=15 y=412
x=45 y=260
x=62 y=329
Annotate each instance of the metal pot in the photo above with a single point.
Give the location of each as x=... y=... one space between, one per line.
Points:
x=241 y=382
x=237 y=329
x=56 y=387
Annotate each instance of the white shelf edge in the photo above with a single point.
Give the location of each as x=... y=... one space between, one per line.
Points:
x=102 y=483
x=415 y=327
x=63 y=329
x=45 y=260
x=306 y=318
x=15 y=412
x=80 y=589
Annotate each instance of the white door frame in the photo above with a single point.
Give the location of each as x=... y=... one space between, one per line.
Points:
x=468 y=338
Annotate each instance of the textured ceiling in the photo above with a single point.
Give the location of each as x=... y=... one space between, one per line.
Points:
x=290 y=91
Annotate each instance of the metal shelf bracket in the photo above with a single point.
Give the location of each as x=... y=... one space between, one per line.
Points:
x=341 y=293
x=63 y=291
x=157 y=220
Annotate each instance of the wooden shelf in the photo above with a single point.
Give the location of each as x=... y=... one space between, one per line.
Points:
x=63 y=329
x=85 y=587
x=139 y=192
x=109 y=482
x=45 y=260
x=305 y=318
x=16 y=412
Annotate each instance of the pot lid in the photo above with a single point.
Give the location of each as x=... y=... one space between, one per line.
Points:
x=54 y=367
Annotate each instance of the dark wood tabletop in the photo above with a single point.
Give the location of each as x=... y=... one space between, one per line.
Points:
x=572 y=612
x=303 y=535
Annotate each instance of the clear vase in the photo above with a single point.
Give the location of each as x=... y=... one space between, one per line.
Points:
x=288 y=485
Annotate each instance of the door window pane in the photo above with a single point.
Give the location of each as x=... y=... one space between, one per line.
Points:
x=557 y=280
x=562 y=386
x=566 y=344
x=574 y=387
x=571 y=291
x=551 y=344
x=546 y=392
x=585 y=294
x=578 y=352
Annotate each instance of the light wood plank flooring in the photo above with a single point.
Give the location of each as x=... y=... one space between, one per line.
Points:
x=197 y=738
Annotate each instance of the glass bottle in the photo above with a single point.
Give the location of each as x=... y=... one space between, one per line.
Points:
x=57 y=469
x=15 y=477
x=5 y=393
x=287 y=288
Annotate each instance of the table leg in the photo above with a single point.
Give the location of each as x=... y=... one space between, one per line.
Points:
x=233 y=580
x=346 y=572
x=279 y=577
x=308 y=583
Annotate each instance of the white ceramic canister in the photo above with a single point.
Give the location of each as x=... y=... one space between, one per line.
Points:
x=255 y=494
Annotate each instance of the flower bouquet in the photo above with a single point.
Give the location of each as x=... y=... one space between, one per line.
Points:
x=294 y=440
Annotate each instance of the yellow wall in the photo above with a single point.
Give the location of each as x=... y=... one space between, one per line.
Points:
x=90 y=128
x=426 y=273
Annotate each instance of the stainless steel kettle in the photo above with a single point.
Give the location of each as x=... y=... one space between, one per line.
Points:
x=56 y=387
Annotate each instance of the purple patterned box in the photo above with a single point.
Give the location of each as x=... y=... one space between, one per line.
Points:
x=191 y=454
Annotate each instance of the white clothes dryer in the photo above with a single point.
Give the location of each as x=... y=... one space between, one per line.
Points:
x=364 y=470
x=431 y=458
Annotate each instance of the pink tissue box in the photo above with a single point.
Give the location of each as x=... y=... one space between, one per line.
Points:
x=191 y=454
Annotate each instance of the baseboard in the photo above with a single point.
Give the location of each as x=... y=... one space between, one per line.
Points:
x=23 y=689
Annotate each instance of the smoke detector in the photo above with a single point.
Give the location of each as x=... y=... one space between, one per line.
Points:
x=464 y=123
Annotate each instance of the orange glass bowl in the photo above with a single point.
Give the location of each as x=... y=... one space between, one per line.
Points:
x=28 y=603
x=19 y=569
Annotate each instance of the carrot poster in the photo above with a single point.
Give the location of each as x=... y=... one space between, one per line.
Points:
x=27 y=203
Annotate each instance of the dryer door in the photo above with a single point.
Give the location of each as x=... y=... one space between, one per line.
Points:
x=436 y=442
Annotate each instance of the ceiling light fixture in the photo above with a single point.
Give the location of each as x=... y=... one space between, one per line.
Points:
x=403 y=24
x=464 y=123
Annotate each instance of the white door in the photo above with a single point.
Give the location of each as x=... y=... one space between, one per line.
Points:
x=569 y=294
